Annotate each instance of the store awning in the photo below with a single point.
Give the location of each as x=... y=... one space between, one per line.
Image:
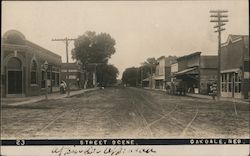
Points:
x=158 y=77
x=145 y=80
x=188 y=71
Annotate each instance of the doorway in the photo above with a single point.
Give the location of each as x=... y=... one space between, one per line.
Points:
x=14 y=76
x=14 y=82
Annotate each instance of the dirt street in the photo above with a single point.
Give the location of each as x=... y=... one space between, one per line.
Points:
x=125 y=113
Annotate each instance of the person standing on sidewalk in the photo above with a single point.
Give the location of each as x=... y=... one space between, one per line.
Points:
x=63 y=87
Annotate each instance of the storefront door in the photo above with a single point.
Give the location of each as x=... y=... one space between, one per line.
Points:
x=14 y=74
x=14 y=82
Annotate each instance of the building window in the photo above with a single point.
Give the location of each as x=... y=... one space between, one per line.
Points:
x=43 y=80
x=237 y=86
x=230 y=82
x=33 y=75
x=57 y=79
x=224 y=84
x=53 y=78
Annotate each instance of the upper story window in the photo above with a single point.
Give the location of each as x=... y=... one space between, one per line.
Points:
x=33 y=75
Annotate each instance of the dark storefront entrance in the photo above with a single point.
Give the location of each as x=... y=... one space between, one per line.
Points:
x=14 y=82
x=14 y=76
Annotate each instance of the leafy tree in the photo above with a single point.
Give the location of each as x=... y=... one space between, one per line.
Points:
x=106 y=74
x=130 y=76
x=91 y=49
x=150 y=65
x=147 y=68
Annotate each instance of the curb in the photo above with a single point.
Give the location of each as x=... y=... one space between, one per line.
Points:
x=49 y=98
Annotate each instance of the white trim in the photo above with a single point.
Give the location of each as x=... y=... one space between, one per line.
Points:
x=230 y=70
x=230 y=39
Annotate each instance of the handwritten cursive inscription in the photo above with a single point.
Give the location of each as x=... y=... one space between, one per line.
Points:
x=109 y=151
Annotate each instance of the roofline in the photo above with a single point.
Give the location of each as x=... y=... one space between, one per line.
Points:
x=195 y=53
x=209 y=55
x=229 y=38
x=161 y=57
x=46 y=50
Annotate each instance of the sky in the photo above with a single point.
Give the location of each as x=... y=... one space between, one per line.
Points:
x=142 y=29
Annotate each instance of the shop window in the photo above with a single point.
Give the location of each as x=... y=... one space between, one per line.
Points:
x=43 y=80
x=230 y=82
x=224 y=83
x=237 y=87
x=53 y=79
x=57 y=79
x=48 y=75
x=33 y=73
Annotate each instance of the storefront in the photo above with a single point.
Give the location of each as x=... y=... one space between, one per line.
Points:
x=235 y=67
x=22 y=69
x=231 y=83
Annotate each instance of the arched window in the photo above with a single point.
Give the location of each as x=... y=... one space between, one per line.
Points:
x=33 y=76
x=14 y=63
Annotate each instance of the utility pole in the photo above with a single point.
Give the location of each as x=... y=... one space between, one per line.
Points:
x=66 y=40
x=219 y=17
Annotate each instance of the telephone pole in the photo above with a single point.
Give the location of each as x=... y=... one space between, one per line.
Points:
x=66 y=40
x=219 y=17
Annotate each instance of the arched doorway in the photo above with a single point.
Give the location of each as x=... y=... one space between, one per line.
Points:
x=14 y=76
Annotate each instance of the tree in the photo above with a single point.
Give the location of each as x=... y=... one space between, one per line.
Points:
x=130 y=76
x=106 y=74
x=148 y=67
x=93 y=49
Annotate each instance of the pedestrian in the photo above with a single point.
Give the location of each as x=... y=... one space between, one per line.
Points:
x=63 y=87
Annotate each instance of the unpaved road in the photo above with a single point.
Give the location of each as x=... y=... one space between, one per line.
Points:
x=125 y=113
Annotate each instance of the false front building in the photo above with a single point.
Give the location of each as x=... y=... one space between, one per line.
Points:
x=235 y=67
x=22 y=70
x=197 y=72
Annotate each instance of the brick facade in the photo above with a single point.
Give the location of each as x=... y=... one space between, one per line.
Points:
x=235 y=67
x=22 y=56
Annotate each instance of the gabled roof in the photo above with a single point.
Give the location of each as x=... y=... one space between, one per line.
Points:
x=235 y=38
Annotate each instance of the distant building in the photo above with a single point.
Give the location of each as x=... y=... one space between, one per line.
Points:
x=159 y=77
x=22 y=72
x=170 y=69
x=162 y=71
x=197 y=72
x=235 y=67
x=76 y=75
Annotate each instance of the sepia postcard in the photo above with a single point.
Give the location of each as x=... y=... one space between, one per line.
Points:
x=125 y=78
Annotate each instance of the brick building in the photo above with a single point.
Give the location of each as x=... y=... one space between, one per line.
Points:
x=235 y=67
x=197 y=72
x=22 y=73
